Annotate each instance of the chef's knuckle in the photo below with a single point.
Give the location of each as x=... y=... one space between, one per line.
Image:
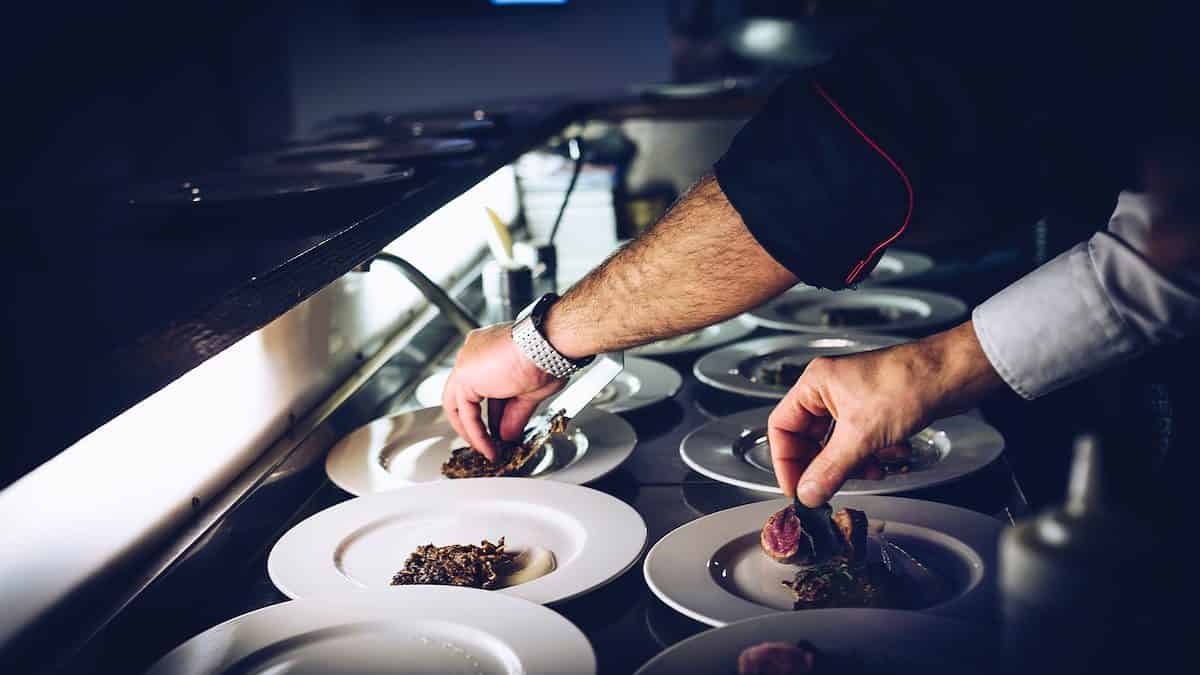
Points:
x=819 y=367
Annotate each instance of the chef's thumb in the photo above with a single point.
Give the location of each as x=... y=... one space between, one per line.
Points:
x=831 y=467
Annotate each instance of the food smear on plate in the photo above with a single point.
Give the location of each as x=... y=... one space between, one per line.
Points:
x=842 y=578
x=513 y=459
x=777 y=658
x=488 y=566
x=795 y=658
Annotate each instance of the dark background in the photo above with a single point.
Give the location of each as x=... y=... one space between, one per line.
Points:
x=99 y=94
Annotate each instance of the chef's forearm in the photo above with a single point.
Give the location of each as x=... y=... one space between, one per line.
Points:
x=698 y=265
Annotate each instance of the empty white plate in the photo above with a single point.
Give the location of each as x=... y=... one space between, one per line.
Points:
x=417 y=629
x=409 y=448
x=713 y=570
x=641 y=383
x=888 y=310
x=742 y=367
x=881 y=640
x=698 y=340
x=362 y=542
x=734 y=450
x=897 y=265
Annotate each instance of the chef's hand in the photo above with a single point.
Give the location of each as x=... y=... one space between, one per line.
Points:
x=879 y=399
x=490 y=366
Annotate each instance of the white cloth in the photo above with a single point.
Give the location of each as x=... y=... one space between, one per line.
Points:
x=1099 y=303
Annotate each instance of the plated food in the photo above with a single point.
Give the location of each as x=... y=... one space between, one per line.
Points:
x=734 y=450
x=540 y=540
x=420 y=446
x=642 y=383
x=768 y=367
x=715 y=569
x=486 y=566
x=416 y=629
x=513 y=459
x=698 y=340
x=870 y=310
x=833 y=642
x=833 y=569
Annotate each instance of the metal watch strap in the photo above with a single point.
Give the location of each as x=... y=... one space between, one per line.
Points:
x=527 y=336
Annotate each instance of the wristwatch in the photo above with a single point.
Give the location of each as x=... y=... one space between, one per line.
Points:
x=527 y=335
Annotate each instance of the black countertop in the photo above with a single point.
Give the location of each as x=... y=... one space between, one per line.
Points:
x=118 y=300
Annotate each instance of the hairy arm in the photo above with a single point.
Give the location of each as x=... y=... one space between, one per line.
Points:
x=698 y=265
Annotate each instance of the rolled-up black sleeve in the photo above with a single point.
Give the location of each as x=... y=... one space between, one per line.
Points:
x=811 y=189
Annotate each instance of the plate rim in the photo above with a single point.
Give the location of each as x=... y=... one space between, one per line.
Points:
x=362 y=606
x=989 y=454
x=827 y=615
x=921 y=262
x=766 y=317
x=603 y=511
x=740 y=325
x=592 y=467
x=713 y=368
x=973 y=604
x=651 y=371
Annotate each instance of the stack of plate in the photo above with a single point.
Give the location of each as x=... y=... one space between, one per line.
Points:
x=871 y=310
x=734 y=450
x=764 y=368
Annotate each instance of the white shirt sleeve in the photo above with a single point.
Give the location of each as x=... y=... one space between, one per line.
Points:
x=1099 y=303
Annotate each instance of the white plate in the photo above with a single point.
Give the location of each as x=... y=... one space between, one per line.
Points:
x=890 y=640
x=698 y=340
x=799 y=309
x=409 y=448
x=737 y=367
x=734 y=450
x=362 y=542
x=713 y=570
x=418 y=629
x=641 y=383
x=897 y=265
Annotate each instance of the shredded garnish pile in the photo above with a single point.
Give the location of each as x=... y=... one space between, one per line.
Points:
x=457 y=565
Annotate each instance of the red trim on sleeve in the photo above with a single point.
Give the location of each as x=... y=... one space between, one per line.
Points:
x=862 y=264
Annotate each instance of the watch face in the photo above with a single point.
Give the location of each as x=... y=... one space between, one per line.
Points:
x=537 y=310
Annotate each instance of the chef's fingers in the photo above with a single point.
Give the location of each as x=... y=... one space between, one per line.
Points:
x=516 y=417
x=793 y=434
x=450 y=405
x=830 y=468
x=494 y=411
x=472 y=423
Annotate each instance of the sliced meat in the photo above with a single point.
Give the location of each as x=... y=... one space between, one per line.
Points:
x=851 y=525
x=784 y=539
x=777 y=658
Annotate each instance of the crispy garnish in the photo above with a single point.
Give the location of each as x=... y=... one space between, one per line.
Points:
x=457 y=565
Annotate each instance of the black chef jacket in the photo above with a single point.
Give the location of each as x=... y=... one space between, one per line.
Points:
x=933 y=120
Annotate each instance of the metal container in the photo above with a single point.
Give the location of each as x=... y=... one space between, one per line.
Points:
x=542 y=259
x=507 y=289
x=1066 y=606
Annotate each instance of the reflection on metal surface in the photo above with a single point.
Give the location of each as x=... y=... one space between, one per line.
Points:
x=433 y=293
